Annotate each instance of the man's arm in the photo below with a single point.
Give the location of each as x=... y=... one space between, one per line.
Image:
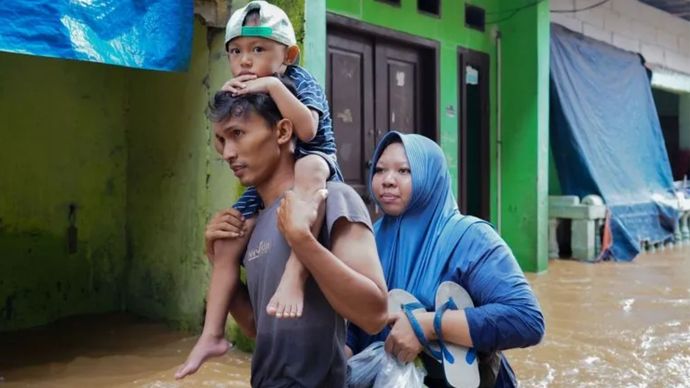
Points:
x=350 y=275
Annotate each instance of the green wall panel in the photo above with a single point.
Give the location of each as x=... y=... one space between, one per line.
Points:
x=62 y=142
x=525 y=77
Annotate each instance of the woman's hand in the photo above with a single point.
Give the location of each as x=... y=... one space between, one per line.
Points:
x=402 y=342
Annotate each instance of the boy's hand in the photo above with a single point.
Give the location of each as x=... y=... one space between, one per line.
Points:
x=257 y=85
x=225 y=224
x=297 y=214
x=238 y=83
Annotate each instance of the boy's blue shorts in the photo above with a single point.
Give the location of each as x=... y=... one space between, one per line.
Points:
x=250 y=202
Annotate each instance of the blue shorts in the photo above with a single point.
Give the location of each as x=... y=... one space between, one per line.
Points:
x=250 y=202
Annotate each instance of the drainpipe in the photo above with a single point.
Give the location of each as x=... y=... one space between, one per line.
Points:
x=499 y=139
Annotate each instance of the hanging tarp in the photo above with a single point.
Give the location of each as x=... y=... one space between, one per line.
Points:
x=606 y=139
x=150 y=34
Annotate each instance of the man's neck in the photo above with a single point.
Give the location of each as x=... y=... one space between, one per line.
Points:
x=282 y=179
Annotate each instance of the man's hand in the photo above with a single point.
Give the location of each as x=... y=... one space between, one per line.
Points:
x=225 y=224
x=297 y=214
x=246 y=84
x=402 y=342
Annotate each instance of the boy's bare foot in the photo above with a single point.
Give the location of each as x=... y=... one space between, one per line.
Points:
x=288 y=300
x=205 y=348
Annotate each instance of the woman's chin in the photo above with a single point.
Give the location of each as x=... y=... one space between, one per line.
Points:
x=392 y=209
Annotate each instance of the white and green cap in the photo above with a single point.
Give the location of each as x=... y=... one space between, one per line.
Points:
x=273 y=24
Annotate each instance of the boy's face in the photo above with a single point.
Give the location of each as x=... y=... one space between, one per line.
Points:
x=255 y=56
x=249 y=146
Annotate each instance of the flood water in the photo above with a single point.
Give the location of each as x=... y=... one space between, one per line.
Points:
x=612 y=324
x=608 y=325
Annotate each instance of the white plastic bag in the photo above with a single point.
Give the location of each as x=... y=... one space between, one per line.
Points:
x=373 y=367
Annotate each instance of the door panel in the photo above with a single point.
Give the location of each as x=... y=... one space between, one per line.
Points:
x=474 y=147
x=373 y=85
x=397 y=88
x=350 y=94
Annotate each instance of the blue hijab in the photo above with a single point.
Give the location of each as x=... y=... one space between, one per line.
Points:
x=416 y=247
x=424 y=246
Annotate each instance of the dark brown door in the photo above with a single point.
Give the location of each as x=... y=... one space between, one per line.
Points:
x=351 y=96
x=375 y=85
x=474 y=149
x=397 y=88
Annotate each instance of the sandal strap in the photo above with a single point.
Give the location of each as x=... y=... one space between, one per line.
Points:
x=438 y=316
x=417 y=328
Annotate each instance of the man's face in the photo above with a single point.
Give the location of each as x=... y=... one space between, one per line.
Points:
x=255 y=56
x=250 y=147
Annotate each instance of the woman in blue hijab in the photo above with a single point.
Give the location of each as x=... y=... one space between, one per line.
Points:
x=422 y=241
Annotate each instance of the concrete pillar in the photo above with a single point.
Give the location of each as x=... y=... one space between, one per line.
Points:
x=583 y=240
x=553 y=240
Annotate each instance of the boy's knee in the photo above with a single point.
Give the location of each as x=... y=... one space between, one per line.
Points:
x=312 y=164
x=311 y=168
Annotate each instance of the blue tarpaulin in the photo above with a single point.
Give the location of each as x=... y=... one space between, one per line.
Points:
x=606 y=139
x=150 y=34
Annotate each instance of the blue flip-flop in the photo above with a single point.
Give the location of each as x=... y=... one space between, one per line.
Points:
x=459 y=363
x=402 y=301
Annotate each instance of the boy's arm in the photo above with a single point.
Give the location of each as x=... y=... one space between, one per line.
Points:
x=241 y=310
x=350 y=275
x=304 y=120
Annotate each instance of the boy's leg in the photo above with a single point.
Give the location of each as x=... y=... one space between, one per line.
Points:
x=311 y=173
x=225 y=277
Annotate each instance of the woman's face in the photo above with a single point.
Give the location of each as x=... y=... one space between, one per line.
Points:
x=392 y=181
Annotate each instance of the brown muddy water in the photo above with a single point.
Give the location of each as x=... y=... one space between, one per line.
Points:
x=608 y=325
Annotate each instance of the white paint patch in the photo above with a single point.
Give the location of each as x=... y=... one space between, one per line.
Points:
x=400 y=78
x=345 y=116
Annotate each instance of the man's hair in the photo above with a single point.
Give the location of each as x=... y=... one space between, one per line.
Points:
x=224 y=105
x=253 y=18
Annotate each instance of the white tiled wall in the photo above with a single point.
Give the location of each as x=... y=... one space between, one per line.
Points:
x=663 y=39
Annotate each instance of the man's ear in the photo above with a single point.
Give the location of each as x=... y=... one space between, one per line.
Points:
x=291 y=55
x=285 y=130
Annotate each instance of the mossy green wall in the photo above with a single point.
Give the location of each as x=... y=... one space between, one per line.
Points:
x=62 y=142
x=166 y=174
x=131 y=148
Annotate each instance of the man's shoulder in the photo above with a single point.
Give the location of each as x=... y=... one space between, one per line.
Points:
x=344 y=202
x=342 y=189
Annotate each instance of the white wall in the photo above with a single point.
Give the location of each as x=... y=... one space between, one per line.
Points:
x=663 y=39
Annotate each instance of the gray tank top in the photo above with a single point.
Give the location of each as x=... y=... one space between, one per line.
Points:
x=304 y=352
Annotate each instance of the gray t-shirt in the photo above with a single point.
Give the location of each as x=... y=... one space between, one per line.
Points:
x=304 y=352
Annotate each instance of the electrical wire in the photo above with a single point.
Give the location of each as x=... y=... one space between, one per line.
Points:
x=580 y=9
x=514 y=11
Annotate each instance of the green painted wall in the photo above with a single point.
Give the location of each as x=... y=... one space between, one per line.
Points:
x=132 y=149
x=525 y=118
x=524 y=98
x=62 y=141
x=166 y=202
